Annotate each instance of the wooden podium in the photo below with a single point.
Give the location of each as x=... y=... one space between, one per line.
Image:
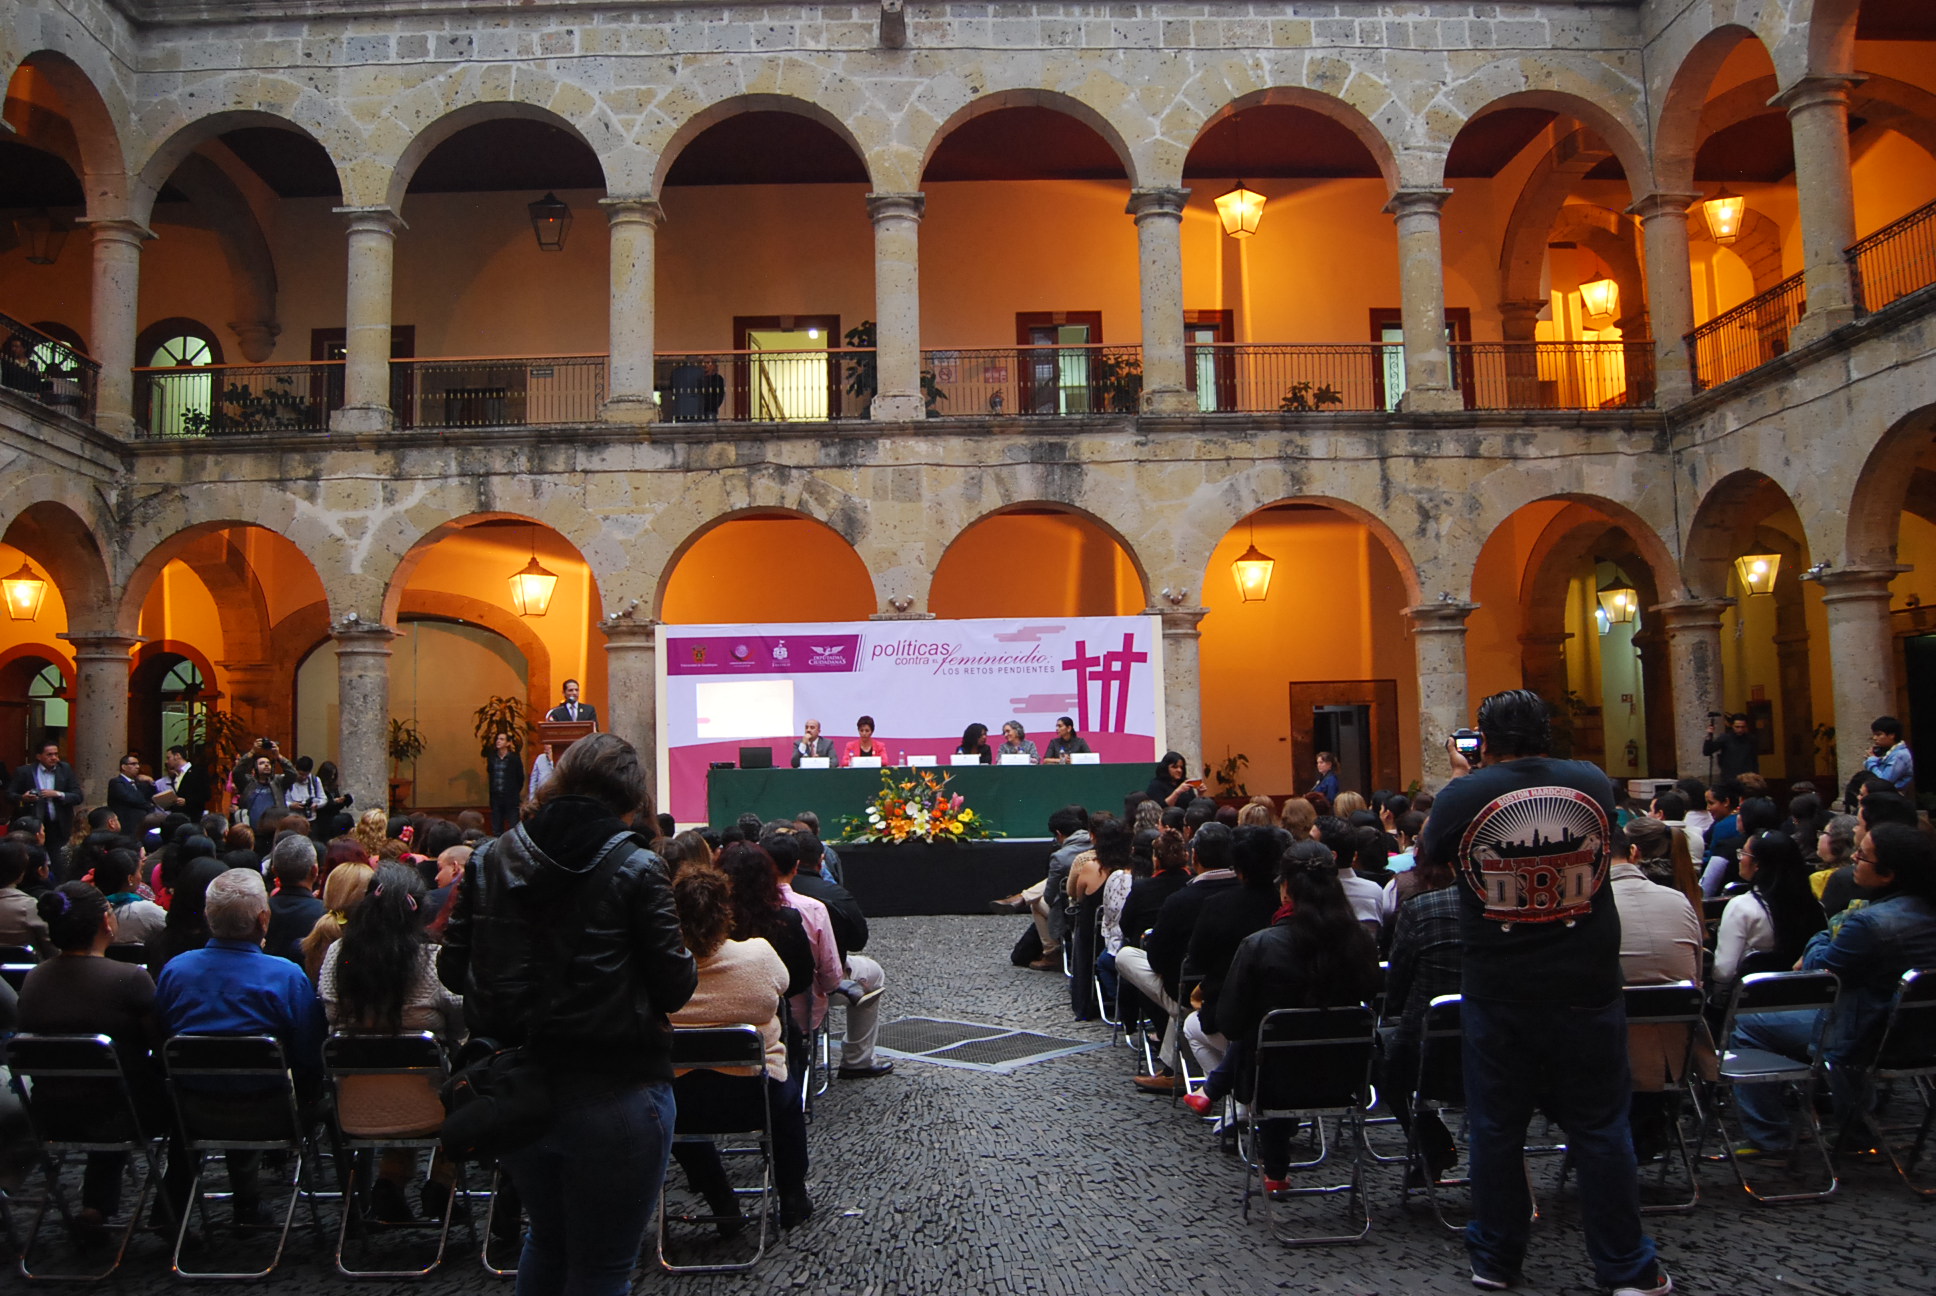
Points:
x=561 y=734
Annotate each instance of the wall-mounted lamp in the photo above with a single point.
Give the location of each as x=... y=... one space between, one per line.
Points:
x=25 y=590
x=1757 y=572
x=550 y=221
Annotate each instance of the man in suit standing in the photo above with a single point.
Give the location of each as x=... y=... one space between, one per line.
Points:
x=130 y=796
x=812 y=744
x=572 y=709
x=189 y=786
x=48 y=790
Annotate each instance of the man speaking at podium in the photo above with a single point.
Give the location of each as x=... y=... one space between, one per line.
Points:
x=571 y=709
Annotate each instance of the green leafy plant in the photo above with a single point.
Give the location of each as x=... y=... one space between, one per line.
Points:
x=240 y=408
x=1302 y=396
x=1226 y=774
x=501 y=713
x=1116 y=381
x=863 y=371
x=219 y=738
x=406 y=742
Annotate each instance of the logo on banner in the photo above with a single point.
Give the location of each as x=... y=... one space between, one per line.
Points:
x=780 y=653
x=828 y=655
x=699 y=654
x=1110 y=674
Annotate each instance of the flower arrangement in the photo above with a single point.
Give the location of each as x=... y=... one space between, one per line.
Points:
x=915 y=805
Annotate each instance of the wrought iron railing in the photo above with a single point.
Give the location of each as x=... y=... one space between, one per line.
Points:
x=1255 y=378
x=232 y=400
x=755 y=386
x=44 y=368
x=1033 y=381
x=1555 y=375
x=498 y=391
x=1896 y=260
x=1748 y=336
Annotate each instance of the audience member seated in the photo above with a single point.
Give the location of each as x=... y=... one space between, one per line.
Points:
x=231 y=987
x=294 y=908
x=1221 y=927
x=1765 y=928
x=137 y=920
x=1343 y=841
x=860 y=975
x=1834 y=855
x=1314 y=954
x=1169 y=936
x=1120 y=874
x=343 y=891
x=760 y=912
x=1842 y=892
x=1661 y=941
x=810 y=1009
x=187 y=926
x=1426 y=958
x=381 y=978
x=1870 y=950
x=20 y=923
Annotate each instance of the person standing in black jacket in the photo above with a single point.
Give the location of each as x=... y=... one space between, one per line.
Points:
x=564 y=940
x=504 y=773
x=1221 y=927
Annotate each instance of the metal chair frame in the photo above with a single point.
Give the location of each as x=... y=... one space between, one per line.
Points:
x=15 y=974
x=1441 y=1045
x=1282 y=1089
x=490 y=1215
x=1755 y=995
x=1675 y=1003
x=35 y=1059
x=232 y=1057
x=1188 y=979
x=713 y=1048
x=416 y=1054
x=1906 y=1052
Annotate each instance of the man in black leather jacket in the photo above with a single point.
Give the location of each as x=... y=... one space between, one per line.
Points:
x=564 y=940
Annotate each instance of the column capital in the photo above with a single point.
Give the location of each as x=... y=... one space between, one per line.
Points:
x=1179 y=622
x=626 y=629
x=1144 y=203
x=896 y=206
x=1417 y=202
x=1445 y=616
x=1856 y=584
x=626 y=211
x=1661 y=204
x=101 y=644
x=1818 y=89
x=116 y=229
x=353 y=634
x=1693 y=614
x=372 y=220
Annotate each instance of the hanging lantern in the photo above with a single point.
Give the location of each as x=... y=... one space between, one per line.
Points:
x=1757 y=572
x=25 y=590
x=1600 y=302
x=550 y=221
x=1620 y=603
x=1253 y=570
x=531 y=589
x=42 y=236
x=1240 y=210
x=1725 y=211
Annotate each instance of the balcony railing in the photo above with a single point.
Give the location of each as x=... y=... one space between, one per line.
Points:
x=500 y=391
x=1253 y=378
x=230 y=400
x=1555 y=375
x=819 y=386
x=1896 y=260
x=1748 y=336
x=1033 y=381
x=46 y=369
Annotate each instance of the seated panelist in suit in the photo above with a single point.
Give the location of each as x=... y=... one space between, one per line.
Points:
x=810 y=743
x=572 y=709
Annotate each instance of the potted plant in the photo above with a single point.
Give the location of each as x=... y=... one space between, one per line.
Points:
x=863 y=374
x=406 y=743
x=218 y=739
x=500 y=713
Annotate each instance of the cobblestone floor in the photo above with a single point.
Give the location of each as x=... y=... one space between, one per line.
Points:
x=1061 y=1179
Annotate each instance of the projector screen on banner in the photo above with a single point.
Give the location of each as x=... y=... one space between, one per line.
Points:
x=923 y=682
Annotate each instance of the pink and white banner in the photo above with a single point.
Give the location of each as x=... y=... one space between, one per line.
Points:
x=924 y=682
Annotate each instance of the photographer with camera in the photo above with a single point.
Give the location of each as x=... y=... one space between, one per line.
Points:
x=259 y=783
x=1737 y=747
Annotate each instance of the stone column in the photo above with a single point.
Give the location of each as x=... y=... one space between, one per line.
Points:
x=897 y=306
x=1159 y=242
x=1818 y=116
x=1862 y=654
x=1657 y=687
x=1519 y=326
x=366 y=349
x=1670 y=291
x=1421 y=281
x=363 y=704
x=112 y=321
x=631 y=689
x=630 y=375
x=100 y=732
x=1694 y=664
x=1438 y=646
x=1182 y=693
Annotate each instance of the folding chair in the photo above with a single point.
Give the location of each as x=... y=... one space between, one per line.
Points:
x=702 y=1052
x=15 y=974
x=97 y=1113
x=1188 y=979
x=1676 y=1004
x=215 y=1115
x=1439 y=1087
x=1309 y=1064
x=1905 y=1053
x=387 y=1089
x=490 y=1218
x=1757 y=995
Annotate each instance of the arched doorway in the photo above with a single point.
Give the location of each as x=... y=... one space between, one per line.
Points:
x=1036 y=560
x=769 y=566
x=34 y=697
x=171 y=694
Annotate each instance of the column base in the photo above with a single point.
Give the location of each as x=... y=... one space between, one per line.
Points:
x=363 y=418
x=1671 y=389
x=908 y=408
x=120 y=425
x=633 y=411
x=1819 y=324
x=1171 y=400
x=1431 y=400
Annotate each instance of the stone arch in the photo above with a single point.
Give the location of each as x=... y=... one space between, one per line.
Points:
x=1611 y=235
x=1552 y=182
x=1682 y=124
x=1890 y=479
x=746 y=512
x=1084 y=515
x=98 y=144
x=426 y=140
x=240 y=601
x=1620 y=135
x=1830 y=28
x=220 y=206
x=181 y=543
x=442 y=605
x=1883 y=102
x=1661 y=567
x=398 y=579
x=47 y=523
x=1115 y=133
x=1758 y=246
x=1341 y=111
x=1725 y=523
x=1401 y=555
x=682 y=132
x=183 y=137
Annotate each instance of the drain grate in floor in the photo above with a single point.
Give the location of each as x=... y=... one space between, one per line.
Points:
x=974 y=1046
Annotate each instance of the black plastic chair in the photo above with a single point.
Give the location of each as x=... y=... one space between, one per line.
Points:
x=1675 y=1004
x=1906 y=1054
x=45 y=1065
x=1756 y=995
x=1313 y=1064
x=1438 y=1087
x=263 y=1115
x=701 y=1052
